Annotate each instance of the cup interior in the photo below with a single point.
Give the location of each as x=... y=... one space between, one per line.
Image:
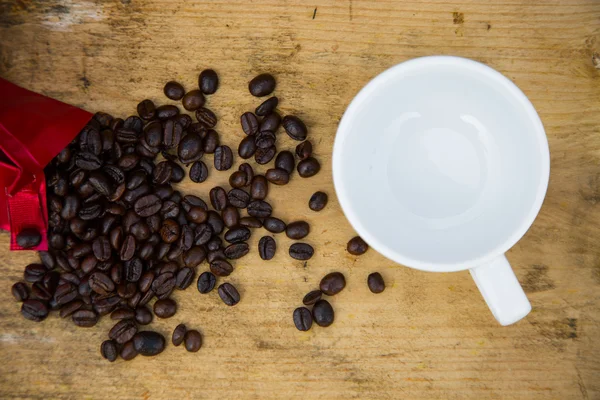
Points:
x=441 y=163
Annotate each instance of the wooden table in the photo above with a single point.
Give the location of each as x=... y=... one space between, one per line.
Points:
x=428 y=335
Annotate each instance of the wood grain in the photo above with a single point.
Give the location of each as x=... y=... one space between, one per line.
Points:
x=428 y=335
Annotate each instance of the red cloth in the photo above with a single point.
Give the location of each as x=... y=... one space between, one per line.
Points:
x=33 y=129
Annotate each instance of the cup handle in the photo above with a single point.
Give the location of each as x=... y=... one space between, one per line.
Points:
x=501 y=290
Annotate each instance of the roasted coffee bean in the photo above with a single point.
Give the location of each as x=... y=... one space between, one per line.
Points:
x=145 y=281
x=259 y=188
x=250 y=222
x=68 y=309
x=206 y=282
x=215 y=255
x=105 y=304
x=270 y=122
x=65 y=293
x=108 y=349
x=123 y=331
x=208 y=81
x=238 y=179
x=218 y=198
x=259 y=209
x=116 y=273
x=70 y=208
x=34 y=273
x=116 y=238
x=163 y=191
x=124 y=136
x=169 y=209
x=323 y=314
x=302 y=318
x=221 y=268
x=169 y=231
x=376 y=283
x=87 y=161
x=202 y=234
x=164 y=284
x=134 y=123
x=84 y=318
x=192 y=340
x=274 y=225
x=149 y=343
x=247 y=169
x=308 y=167
x=101 y=283
x=130 y=196
x=223 y=158
x=318 y=201
x=312 y=297
x=147 y=205
x=165 y=308
x=357 y=246
x=304 y=150
x=178 y=334
x=332 y=283
x=285 y=160
x=267 y=247
x=141 y=231
x=28 y=238
x=294 y=127
x=101 y=248
x=128 y=248
x=177 y=173
x=247 y=147
x=197 y=215
x=301 y=251
x=162 y=172
x=193 y=100
x=184 y=278
x=174 y=90
x=20 y=291
x=64 y=156
x=215 y=222
x=146 y=109
x=122 y=313
x=214 y=243
x=277 y=176
x=145 y=299
x=229 y=294
x=236 y=250
x=231 y=216
x=128 y=162
x=237 y=234
x=198 y=172
x=190 y=149
x=34 y=310
x=101 y=183
x=115 y=173
x=128 y=351
x=172 y=134
x=90 y=212
x=133 y=270
x=262 y=85
x=264 y=139
x=39 y=291
x=81 y=250
x=143 y=315
x=238 y=198
x=167 y=111
x=297 y=230
x=206 y=117
x=186 y=237
x=263 y=156
x=267 y=106
x=249 y=123
x=190 y=201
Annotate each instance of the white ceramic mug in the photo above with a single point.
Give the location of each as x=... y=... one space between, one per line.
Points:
x=442 y=164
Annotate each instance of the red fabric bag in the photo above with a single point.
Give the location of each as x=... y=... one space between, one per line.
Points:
x=33 y=129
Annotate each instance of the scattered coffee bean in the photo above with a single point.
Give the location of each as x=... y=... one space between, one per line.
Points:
x=277 y=176
x=221 y=268
x=304 y=150
x=263 y=156
x=146 y=109
x=184 y=278
x=312 y=297
x=308 y=167
x=85 y=318
x=285 y=160
x=332 y=283
x=317 y=201
x=198 y=172
x=28 y=238
x=250 y=222
x=375 y=282
x=274 y=225
x=122 y=313
x=190 y=148
x=323 y=313
x=206 y=117
x=20 y=291
x=259 y=187
x=165 y=308
x=206 y=282
x=149 y=343
x=128 y=352
x=259 y=209
x=192 y=340
x=122 y=331
x=357 y=246
x=238 y=198
x=236 y=250
x=265 y=139
x=302 y=318
x=267 y=106
x=270 y=122
x=208 y=81
x=108 y=349
x=294 y=127
x=174 y=91
x=193 y=100
x=267 y=247
x=223 y=158
x=229 y=294
x=238 y=179
x=34 y=310
x=237 y=234
x=262 y=85
x=178 y=334
x=297 y=230
x=301 y=251
x=143 y=315
x=249 y=123
x=247 y=147
x=218 y=198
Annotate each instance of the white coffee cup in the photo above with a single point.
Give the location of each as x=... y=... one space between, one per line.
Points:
x=442 y=164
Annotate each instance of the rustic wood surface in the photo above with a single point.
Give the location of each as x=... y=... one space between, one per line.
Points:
x=428 y=335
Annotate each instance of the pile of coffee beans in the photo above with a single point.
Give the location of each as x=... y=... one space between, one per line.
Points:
x=122 y=239
x=322 y=312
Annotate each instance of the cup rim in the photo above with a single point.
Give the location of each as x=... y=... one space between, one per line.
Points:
x=392 y=73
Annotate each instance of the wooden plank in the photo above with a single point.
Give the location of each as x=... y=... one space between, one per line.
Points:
x=427 y=336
